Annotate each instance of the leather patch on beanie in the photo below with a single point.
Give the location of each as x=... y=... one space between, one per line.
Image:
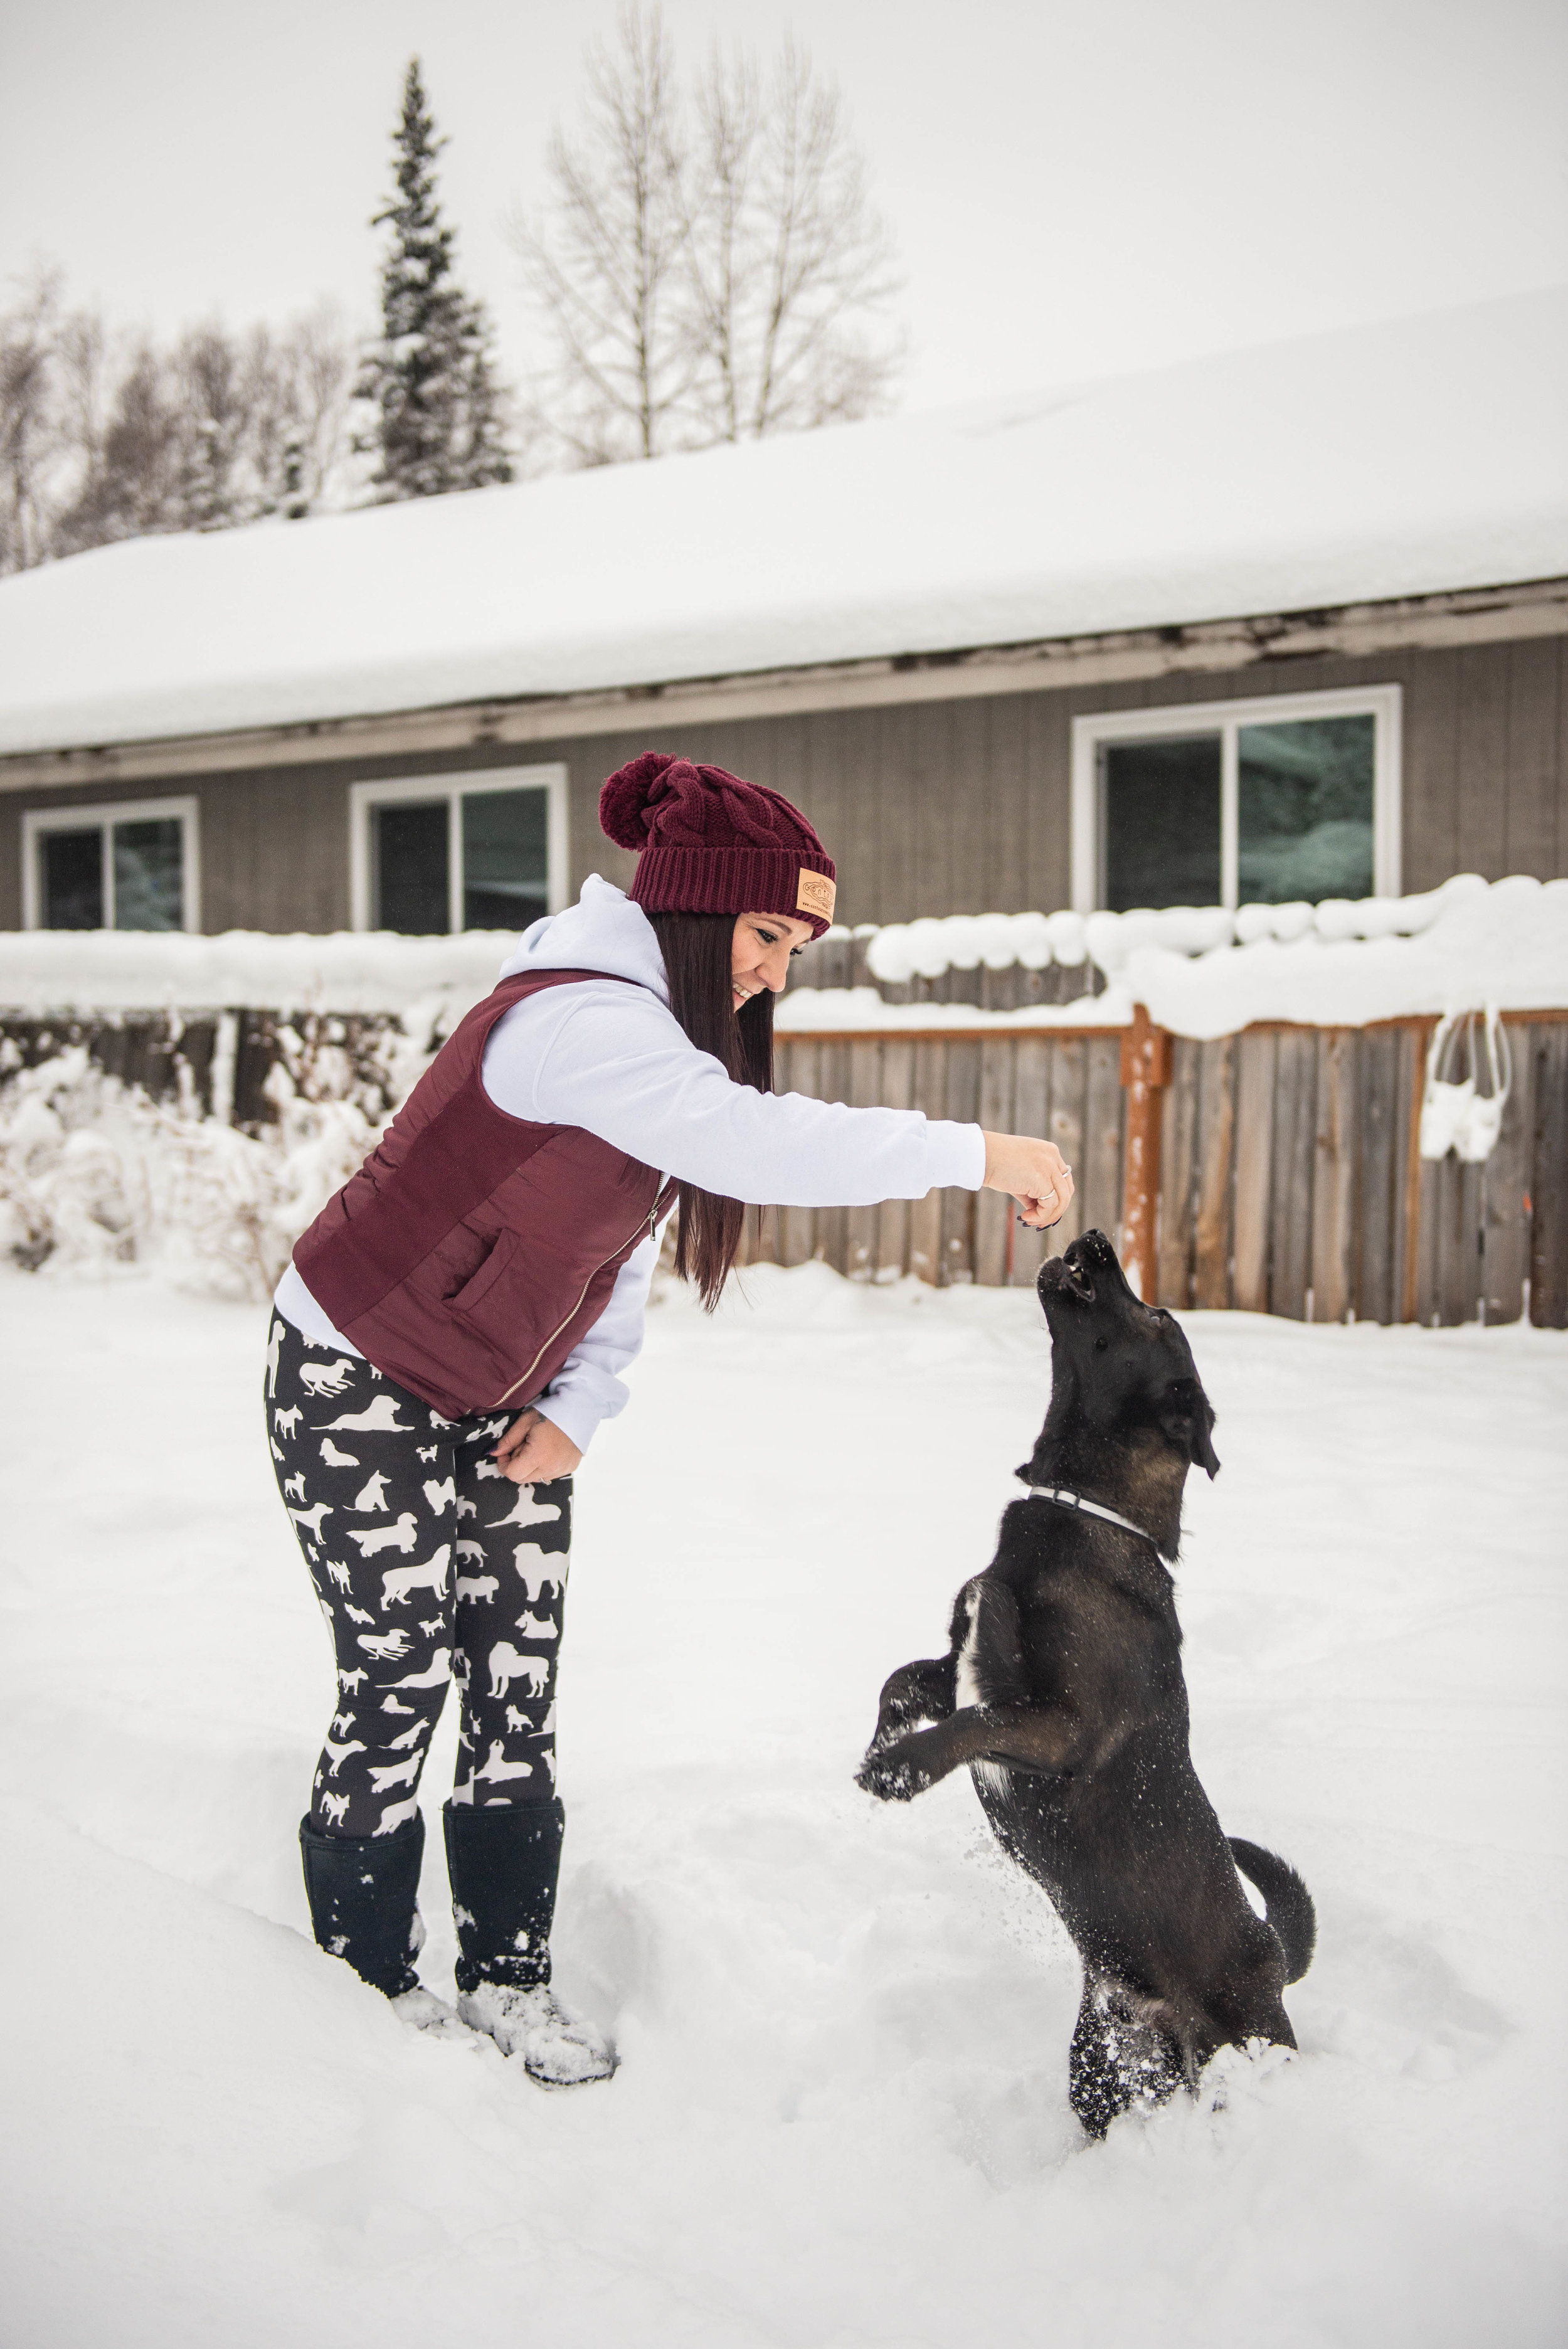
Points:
x=814 y=894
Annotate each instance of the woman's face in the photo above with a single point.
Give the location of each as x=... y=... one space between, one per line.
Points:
x=761 y=954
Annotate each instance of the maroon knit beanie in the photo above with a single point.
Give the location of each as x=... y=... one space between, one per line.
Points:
x=710 y=843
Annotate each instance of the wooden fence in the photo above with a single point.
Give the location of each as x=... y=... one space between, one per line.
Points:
x=1291 y=1181
x=221 y=1060
x=1065 y=1086
x=1286 y=1177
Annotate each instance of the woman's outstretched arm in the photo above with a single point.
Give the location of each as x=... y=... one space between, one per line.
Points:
x=615 y=1062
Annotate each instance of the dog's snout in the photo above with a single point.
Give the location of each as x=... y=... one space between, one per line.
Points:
x=1064 y=1276
x=1083 y=1259
x=1089 y=1271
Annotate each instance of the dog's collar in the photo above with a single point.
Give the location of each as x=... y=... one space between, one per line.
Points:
x=1064 y=1499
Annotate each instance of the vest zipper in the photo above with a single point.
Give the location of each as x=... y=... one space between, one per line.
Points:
x=636 y=1236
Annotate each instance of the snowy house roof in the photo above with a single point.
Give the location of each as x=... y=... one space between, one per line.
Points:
x=1407 y=458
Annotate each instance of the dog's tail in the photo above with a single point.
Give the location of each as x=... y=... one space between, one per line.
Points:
x=1286 y=1900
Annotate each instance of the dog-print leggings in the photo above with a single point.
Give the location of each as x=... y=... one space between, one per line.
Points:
x=429 y=1566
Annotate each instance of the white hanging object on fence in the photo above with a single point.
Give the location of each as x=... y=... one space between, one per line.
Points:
x=1455 y=1116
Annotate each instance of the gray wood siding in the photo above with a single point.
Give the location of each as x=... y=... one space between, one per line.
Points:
x=929 y=808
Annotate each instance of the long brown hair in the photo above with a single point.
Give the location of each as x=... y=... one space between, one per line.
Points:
x=698 y=950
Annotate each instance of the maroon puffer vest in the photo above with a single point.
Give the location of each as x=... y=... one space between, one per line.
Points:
x=472 y=1250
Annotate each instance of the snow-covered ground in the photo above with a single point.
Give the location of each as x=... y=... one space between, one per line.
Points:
x=841 y=2120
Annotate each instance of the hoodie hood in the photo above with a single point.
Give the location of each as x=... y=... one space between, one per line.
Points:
x=602 y=931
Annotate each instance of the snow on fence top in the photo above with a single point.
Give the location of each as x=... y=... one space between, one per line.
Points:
x=44 y=971
x=1201 y=970
x=1205 y=972
x=929 y=948
x=1403 y=459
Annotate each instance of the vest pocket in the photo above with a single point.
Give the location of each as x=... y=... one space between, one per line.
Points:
x=477 y=1287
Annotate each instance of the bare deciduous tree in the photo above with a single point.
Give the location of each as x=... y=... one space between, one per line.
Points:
x=790 y=272
x=605 y=273
x=709 y=270
x=107 y=436
x=28 y=424
x=315 y=366
x=123 y=483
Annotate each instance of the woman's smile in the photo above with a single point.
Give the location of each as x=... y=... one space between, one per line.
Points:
x=759 y=956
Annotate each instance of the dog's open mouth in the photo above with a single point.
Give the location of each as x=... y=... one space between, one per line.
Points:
x=1071 y=1273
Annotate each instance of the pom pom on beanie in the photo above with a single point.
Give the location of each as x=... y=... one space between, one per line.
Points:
x=709 y=843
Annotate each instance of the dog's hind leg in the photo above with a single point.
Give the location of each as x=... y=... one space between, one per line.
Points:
x=1117 y=2062
x=917 y=1693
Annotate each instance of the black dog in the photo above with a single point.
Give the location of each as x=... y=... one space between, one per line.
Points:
x=1063 y=1693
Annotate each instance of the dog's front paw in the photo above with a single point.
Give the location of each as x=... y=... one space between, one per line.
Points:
x=893 y=1731
x=892 y=1775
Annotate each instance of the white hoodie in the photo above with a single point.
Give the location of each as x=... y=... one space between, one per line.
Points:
x=614 y=1060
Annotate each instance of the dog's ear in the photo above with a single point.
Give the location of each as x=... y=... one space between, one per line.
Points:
x=1188 y=1420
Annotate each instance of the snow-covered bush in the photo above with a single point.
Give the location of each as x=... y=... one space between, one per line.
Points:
x=94 y=1174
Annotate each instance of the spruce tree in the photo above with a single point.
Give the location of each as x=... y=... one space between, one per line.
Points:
x=438 y=421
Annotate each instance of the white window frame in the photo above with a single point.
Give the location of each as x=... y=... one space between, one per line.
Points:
x=106 y=813
x=1226 y=718
x=453 y=789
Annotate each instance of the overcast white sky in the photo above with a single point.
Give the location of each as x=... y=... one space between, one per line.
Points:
x=1076 y=188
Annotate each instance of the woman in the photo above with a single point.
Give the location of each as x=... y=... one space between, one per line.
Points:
x=454 y=1326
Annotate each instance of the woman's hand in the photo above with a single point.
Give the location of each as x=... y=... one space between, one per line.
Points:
x=1034 y=1172
x=533 y=1450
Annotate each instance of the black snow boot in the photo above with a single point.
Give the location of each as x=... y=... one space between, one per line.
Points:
x=363 y=1900
x=503 y=1859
